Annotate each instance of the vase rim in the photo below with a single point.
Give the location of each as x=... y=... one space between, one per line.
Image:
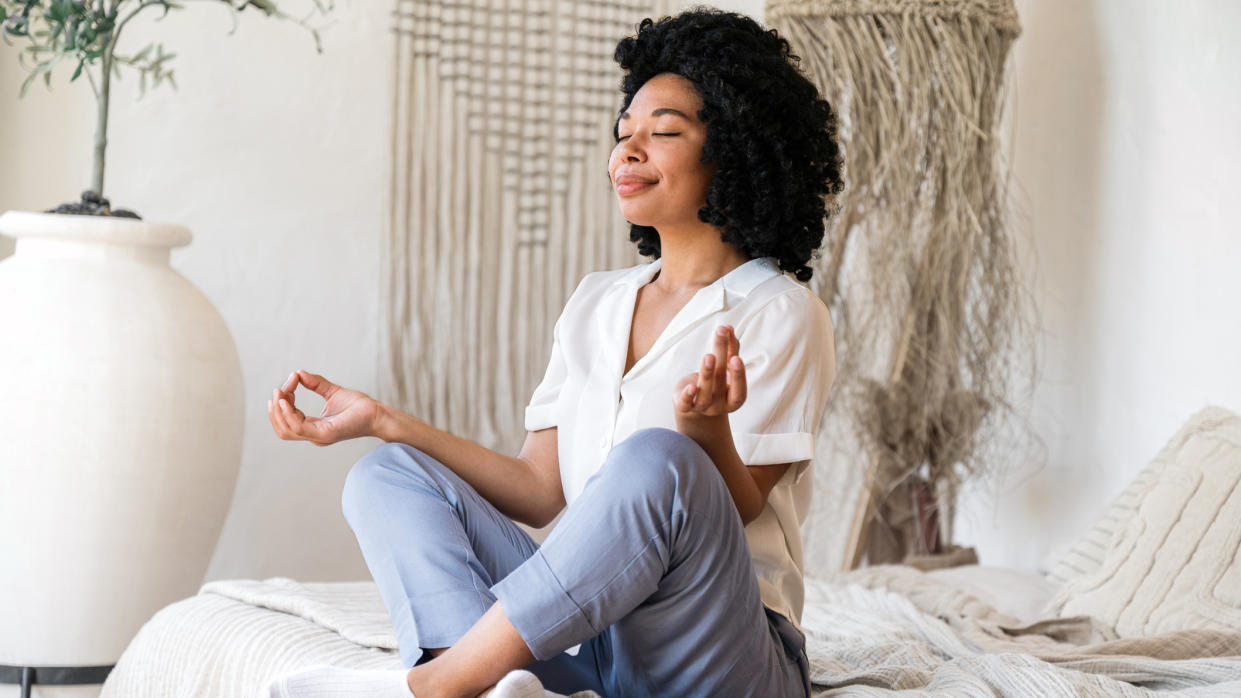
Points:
x=107 y=229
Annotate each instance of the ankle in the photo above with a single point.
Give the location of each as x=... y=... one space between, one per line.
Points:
x=426 y=681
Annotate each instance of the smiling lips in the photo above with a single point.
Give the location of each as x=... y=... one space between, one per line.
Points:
x=631 y=184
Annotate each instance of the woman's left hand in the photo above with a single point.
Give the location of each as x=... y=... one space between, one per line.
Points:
x=719 y=387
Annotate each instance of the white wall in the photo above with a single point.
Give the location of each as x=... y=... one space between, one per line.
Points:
x=277 y=160
x=1127 y=154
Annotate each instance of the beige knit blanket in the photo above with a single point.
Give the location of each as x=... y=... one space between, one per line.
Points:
x=879 y=629
x=876 y=631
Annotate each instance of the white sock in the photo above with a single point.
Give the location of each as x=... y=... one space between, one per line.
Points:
x=520 y=683
x=324 y=681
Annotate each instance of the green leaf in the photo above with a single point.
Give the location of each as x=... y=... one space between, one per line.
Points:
x=26 y=84
x=78 y=70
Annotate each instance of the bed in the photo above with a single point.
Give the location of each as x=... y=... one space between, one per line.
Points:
x=1148 y=601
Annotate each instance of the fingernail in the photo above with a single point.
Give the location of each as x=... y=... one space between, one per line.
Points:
x=721 y=331
x=736 y=362
x=710 y=360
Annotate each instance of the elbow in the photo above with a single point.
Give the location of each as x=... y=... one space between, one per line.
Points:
x=546 y=514
x=751 y=513
x=540 y=521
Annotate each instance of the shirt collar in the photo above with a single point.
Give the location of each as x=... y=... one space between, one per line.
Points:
x=729 y=288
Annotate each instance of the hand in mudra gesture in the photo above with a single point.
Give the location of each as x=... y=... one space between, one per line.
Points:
x=347 y=414
x=719 y=386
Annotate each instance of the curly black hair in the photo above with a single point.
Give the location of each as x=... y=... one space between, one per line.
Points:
x=771 y=135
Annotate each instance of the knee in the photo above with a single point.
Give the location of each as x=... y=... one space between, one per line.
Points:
x=668 y=443
x=372 y=474
x=659 y=458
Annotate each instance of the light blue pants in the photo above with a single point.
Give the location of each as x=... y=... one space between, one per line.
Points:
x=648 y=571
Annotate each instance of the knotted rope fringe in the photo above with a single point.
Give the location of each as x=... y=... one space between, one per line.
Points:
x=919 y=266
x=500 y=200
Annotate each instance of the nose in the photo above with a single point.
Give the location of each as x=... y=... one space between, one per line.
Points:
x=631 y=150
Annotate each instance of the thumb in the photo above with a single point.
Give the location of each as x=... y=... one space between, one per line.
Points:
x=317 y=383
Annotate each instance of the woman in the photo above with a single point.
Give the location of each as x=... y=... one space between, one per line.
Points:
x=676 y=568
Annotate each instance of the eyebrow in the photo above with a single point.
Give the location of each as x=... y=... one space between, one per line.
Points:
x=659 y=112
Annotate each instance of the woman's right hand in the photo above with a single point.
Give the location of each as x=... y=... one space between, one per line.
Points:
x=347 y=414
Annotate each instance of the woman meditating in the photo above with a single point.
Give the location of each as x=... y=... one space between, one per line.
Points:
x=673 y=427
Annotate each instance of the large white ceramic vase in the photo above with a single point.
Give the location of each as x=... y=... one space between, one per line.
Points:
x=120 y=434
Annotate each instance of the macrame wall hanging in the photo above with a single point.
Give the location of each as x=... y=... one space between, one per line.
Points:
x=500 y=199
x=918 y=267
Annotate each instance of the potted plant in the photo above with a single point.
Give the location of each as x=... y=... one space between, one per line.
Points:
x=121 y=427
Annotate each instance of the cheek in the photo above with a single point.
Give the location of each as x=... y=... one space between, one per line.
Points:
x=696 y=176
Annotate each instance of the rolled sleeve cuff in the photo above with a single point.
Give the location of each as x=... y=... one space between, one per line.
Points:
x=537 y=605
x=540 y=417
x=766 y=449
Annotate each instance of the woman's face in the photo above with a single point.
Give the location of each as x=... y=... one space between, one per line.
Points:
x=656 y=167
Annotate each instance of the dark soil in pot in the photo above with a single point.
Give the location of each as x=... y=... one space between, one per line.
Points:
x=93 y=204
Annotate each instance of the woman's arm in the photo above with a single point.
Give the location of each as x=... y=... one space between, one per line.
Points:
x=525 y=488
x=703 y=401
x=748 y=484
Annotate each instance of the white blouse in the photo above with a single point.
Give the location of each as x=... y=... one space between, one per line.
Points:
x=785 y=337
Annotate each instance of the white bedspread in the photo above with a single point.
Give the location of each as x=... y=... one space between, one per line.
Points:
x=877 y=631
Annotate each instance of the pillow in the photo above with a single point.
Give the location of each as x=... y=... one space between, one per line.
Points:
x=1087 y=553
x=1172 y=562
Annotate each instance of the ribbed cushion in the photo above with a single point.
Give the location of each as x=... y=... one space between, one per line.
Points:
x=1172 y=562
x=1087 y=553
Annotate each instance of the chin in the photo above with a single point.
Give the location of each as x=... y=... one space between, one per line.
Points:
x=639 y=215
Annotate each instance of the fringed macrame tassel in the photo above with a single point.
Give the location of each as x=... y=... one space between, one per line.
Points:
x=920 y=265
x=499 y=201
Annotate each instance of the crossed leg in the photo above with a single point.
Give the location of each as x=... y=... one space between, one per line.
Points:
x=648 y=571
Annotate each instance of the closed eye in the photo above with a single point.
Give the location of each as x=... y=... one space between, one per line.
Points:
x=618 y=140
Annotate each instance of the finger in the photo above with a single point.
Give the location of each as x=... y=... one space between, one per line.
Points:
x=736 y=383
x=684 y=398
x=277 y=416
x=296 y=421
x=317 y=383
x=306 y=428
x=706 y=382
x=282 y=393
x=271 y=417
x=734 y=347
x=290 y=383
x=721 y=355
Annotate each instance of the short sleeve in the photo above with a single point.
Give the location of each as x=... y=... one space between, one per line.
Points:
x=541 y=412
x=790 y=365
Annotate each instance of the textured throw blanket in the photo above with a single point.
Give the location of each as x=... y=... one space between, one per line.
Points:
x=875 y=631
x=895 y=628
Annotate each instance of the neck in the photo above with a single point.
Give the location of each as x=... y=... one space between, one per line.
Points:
x=693 y=258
